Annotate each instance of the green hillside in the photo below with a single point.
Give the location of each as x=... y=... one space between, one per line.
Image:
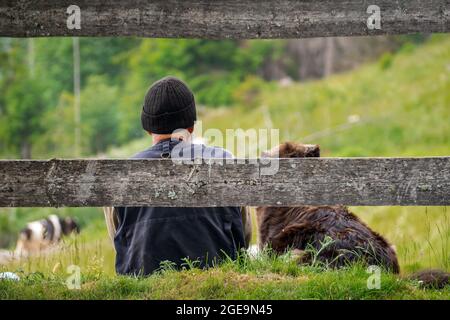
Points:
x=403 y=102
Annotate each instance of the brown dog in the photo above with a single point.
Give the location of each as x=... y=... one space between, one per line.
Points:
x=340 y=236
x=329 y=234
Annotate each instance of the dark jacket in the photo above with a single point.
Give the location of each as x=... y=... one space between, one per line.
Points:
x=147 y=236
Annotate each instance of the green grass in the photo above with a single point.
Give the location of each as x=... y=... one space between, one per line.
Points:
x=266 y=277
x=403 y=102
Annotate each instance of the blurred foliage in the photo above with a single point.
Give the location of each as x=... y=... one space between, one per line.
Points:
x=36 y=85
x=249 y=93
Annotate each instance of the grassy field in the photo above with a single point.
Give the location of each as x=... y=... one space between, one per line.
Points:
x=264 y=277
x=401 y=104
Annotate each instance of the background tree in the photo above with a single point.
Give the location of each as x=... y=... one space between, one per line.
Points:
x=23 y=105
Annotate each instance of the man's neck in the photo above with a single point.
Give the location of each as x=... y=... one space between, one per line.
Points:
x=176 y=136
x=160 y=137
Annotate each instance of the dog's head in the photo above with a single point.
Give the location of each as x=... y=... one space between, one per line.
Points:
x=69 y=225
x=293 y=150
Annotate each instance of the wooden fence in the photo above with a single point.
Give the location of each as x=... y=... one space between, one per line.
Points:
x=284 y=182
x=219 y=19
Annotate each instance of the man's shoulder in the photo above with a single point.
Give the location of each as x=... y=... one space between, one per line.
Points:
x=146 y=154
x=199 y=150
x=187 y=150
x=218 y=152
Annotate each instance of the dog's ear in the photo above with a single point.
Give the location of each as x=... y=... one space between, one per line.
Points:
x=292 y=150
x=312 y=150
x=69 y=225
x=298 y=150
x=75 y=227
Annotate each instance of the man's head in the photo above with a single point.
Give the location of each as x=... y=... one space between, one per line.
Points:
x=169 y=105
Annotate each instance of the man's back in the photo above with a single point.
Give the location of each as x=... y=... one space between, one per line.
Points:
x=147 y=236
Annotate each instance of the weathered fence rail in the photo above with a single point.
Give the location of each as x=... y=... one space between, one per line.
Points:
x=236 y=19
x=349 y=181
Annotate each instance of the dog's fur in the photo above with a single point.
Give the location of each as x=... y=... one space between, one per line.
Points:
x=432 y=278
x=306 y=228
x=42 y=234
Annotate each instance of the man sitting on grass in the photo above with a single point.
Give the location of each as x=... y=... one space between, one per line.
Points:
x=146 y=236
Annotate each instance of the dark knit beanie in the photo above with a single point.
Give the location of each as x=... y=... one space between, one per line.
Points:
x=168 y=105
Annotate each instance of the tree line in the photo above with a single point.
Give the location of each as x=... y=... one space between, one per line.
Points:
x=36 y=82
